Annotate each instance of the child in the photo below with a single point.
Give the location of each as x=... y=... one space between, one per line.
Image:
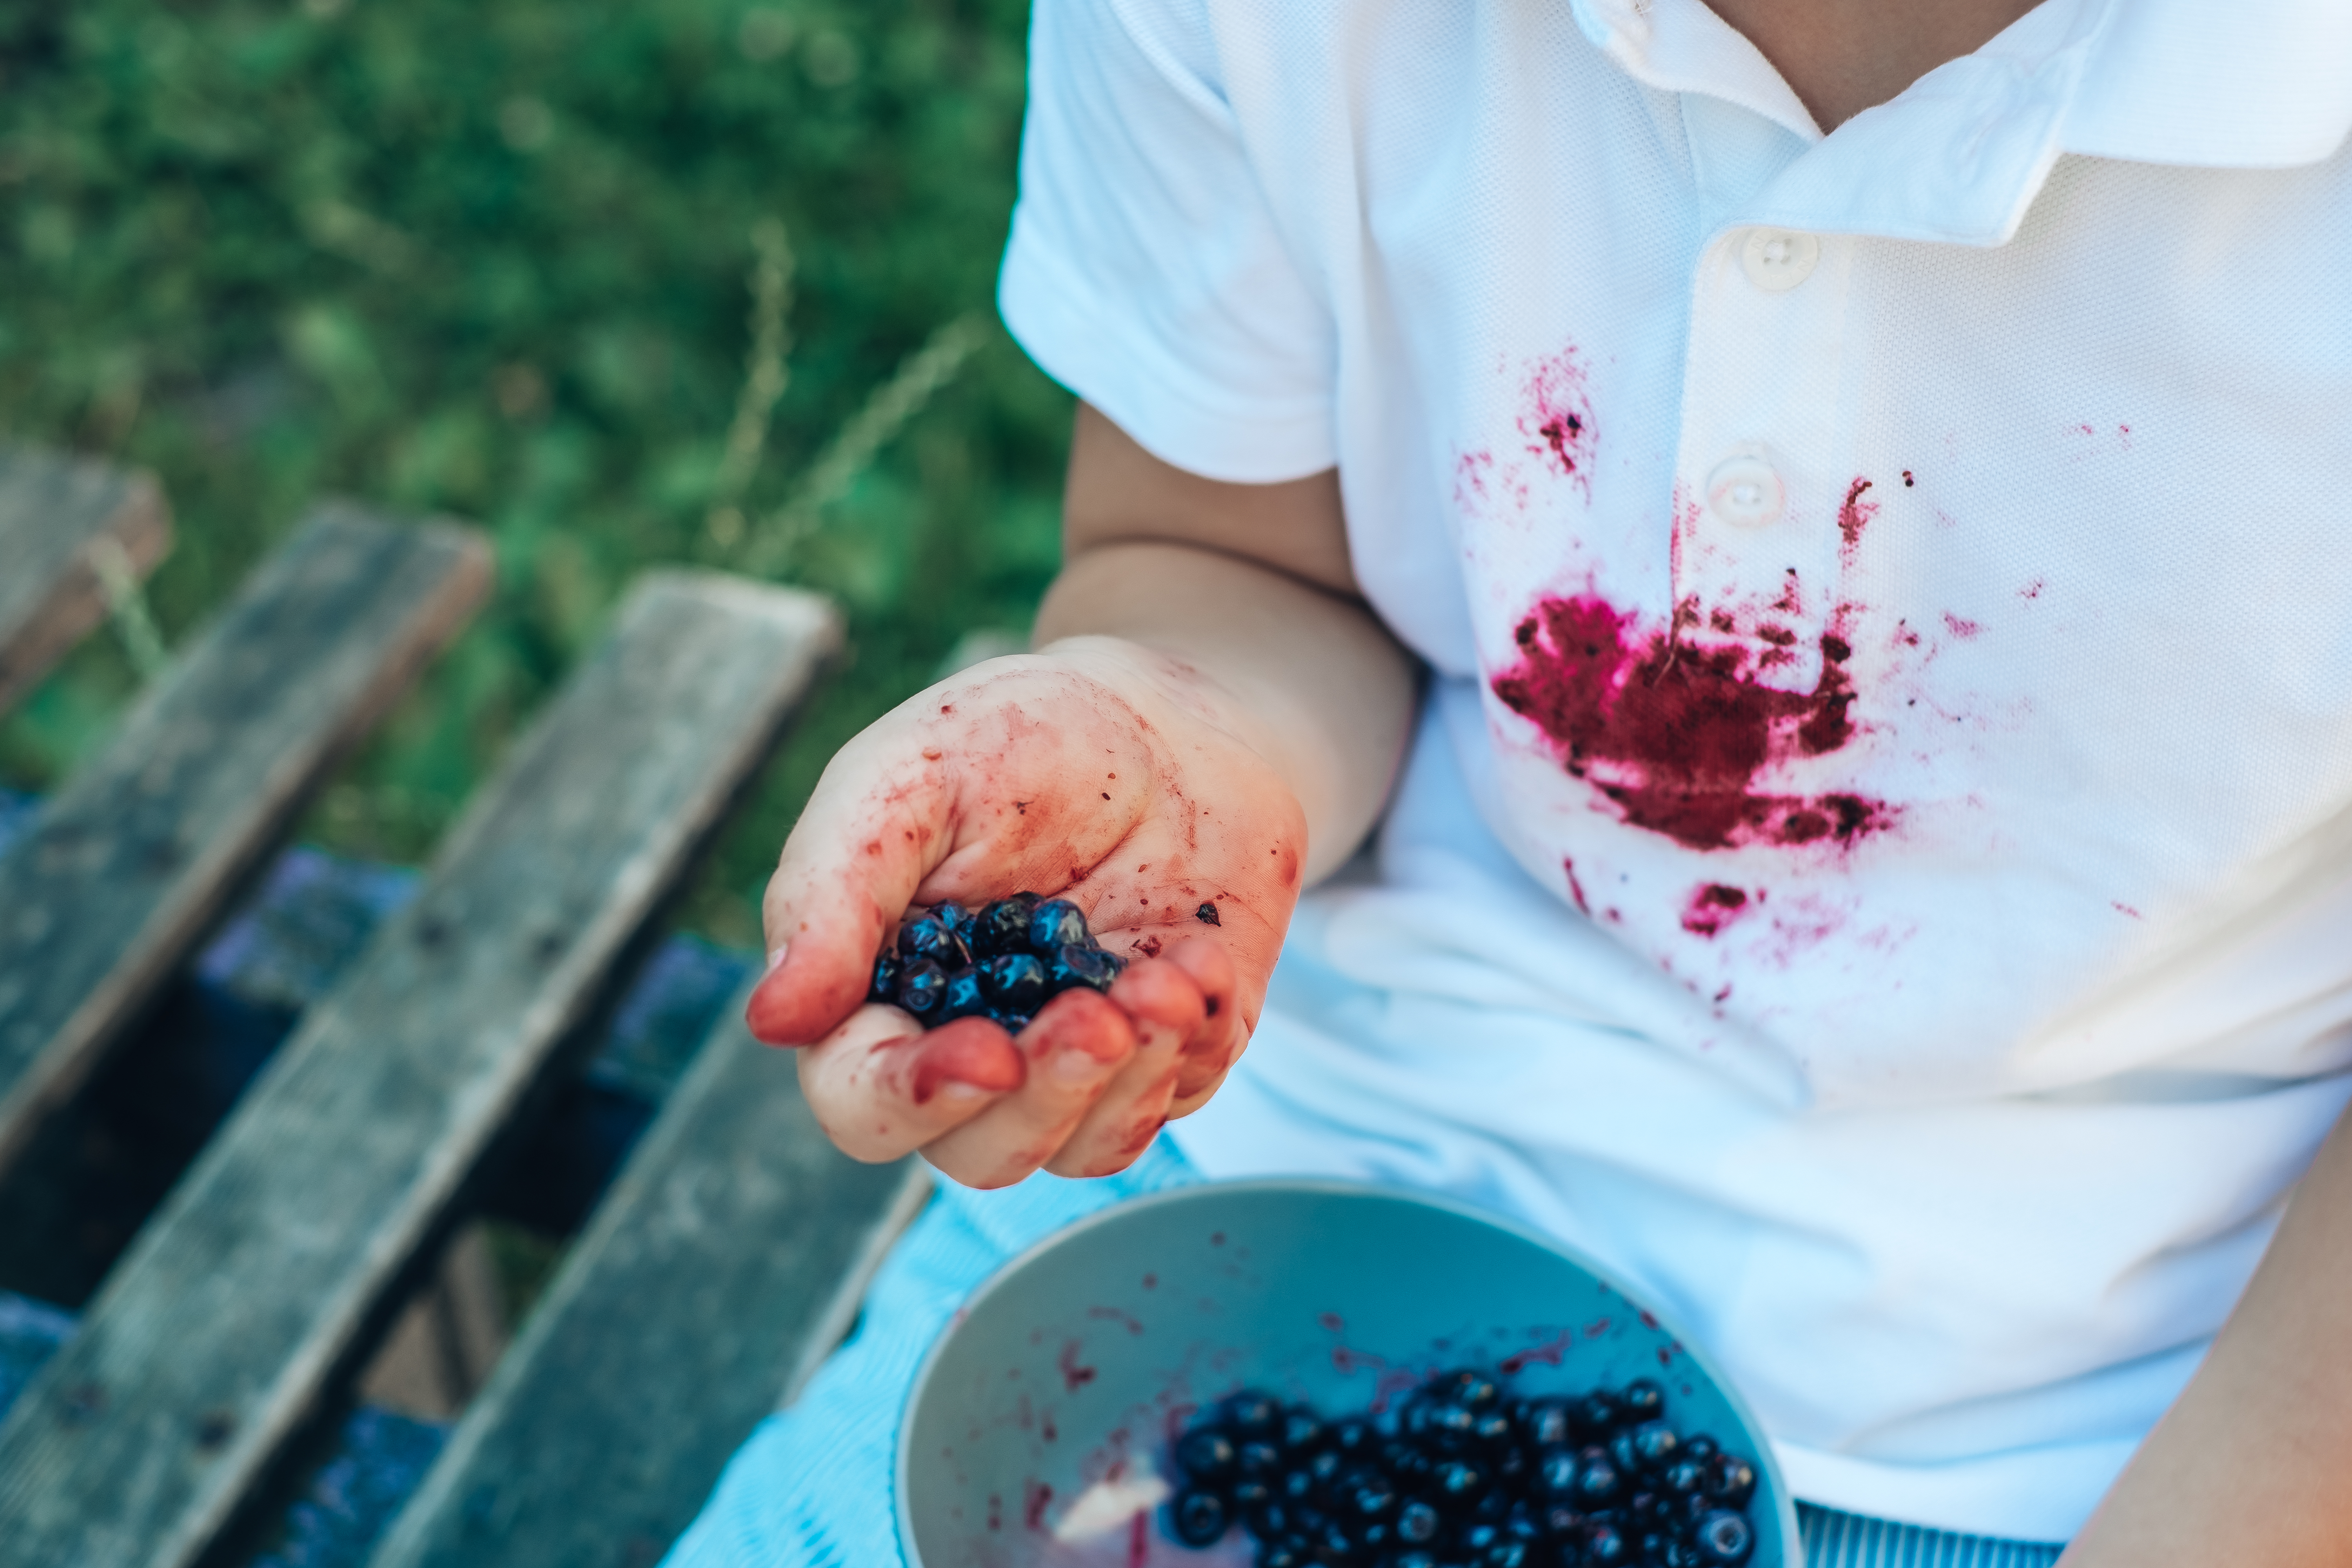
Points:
x=1868 y=857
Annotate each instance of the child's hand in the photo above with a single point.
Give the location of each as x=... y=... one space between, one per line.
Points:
x=1095 y=772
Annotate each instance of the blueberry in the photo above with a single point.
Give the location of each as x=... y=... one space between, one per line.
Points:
x=1270 y=1520
x=1559 y=1521
x=1730 y=1481
x=1334 y=1547
x=1595 y=1414
x=1013 y=982
x=1206 y=1455
x=1354 y=1435
x=1723 y=1537
x=1073 y=965
x=1285 y=1553
x=1251 y=1414
x=1440 y=1422
x=1004 y=926
x=1511 y=1466
x=1417 y=1523
x=1556 y=1470
x=1546 y=1423
x=886 y=978
x=1325 y=1467
x=1367 y=1494
x=1057 y=922
x=1597 y=1481
x=1301 y=1429
x=1011 y=1023
x=1506 y=1554
x=1197 y=1518
x=1459 y=1484
x=1251 y=1491
x=1642 y=1400
x=932 y=938
x=1683 y=1478
x=1298 y=1484
x=1699 y=1449
x=1620 y=1449
x=1408 y=1462
x=1655 y=1444
x=962 y=997
x=1259 y=1458
x=922 y=983
x=1605 y=1547
x=1492 y=1429
x=1471 y=1390
x=956 y=917
x=1402 y=1560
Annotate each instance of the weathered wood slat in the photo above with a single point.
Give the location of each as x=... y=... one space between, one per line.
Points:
x=129 y=863
x=214 y=1337
x=730 y=1254
x=53 y=510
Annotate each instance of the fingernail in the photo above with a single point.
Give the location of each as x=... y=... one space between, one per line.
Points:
x=776 y=957
x=1076 y=1065
x=955 y=1091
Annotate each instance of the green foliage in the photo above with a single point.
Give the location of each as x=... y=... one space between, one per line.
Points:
x=490 y=257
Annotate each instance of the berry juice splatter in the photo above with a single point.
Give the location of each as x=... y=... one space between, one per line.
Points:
x=1557 y=417
x=1714 y=907
x=1675 y=737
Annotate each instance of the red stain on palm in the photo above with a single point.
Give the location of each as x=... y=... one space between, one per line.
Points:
x=1675 y=737
x=1714 y=907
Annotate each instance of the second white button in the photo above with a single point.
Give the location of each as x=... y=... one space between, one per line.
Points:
x=1746 y=492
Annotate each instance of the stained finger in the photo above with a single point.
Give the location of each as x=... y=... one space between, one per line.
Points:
x=1074 y=1048
x=866 y=840
x=1165 y=1006
x=881 y=1086
x=1216 y=1041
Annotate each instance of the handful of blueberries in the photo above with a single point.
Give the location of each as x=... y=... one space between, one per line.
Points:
x=1462 y=1477
x=1003 y=963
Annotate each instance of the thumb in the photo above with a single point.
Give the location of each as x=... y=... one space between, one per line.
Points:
x=860 y=850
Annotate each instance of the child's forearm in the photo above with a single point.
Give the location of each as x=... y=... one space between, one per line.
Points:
x=1246 y=594
x=2249 y=1465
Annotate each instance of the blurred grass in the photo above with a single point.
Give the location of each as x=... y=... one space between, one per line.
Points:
x=492 y=257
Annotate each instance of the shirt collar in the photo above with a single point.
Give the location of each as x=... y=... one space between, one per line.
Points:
x=1960 y=155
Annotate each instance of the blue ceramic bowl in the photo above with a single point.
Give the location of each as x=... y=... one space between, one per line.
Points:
x=1040 y=1423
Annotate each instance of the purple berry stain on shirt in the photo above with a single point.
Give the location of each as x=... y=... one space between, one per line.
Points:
x=1716 y=906
x=1675 y=736
x=1557 y=419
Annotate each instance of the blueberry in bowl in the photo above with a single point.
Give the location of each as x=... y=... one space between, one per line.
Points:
x=1257 y=1374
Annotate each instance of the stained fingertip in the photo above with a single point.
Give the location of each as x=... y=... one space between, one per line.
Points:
x=801 y=999
x=1161 y=992
x=1082 y=1021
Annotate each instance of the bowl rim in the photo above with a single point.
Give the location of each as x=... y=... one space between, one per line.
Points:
x=1793 y=1550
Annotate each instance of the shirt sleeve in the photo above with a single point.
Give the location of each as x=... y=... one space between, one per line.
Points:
x=1147 y=271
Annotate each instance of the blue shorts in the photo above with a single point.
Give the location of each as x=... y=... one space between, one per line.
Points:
x=812 y=1489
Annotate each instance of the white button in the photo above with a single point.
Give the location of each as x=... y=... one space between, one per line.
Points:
x=1778 y=259
x=1746 y=492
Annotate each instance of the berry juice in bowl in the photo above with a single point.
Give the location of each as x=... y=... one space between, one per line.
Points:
x=1250 y=1372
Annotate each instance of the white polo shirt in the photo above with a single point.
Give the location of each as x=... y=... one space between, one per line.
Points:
x=1877 y=861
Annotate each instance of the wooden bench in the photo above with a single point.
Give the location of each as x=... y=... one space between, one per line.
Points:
x=726 y=1257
